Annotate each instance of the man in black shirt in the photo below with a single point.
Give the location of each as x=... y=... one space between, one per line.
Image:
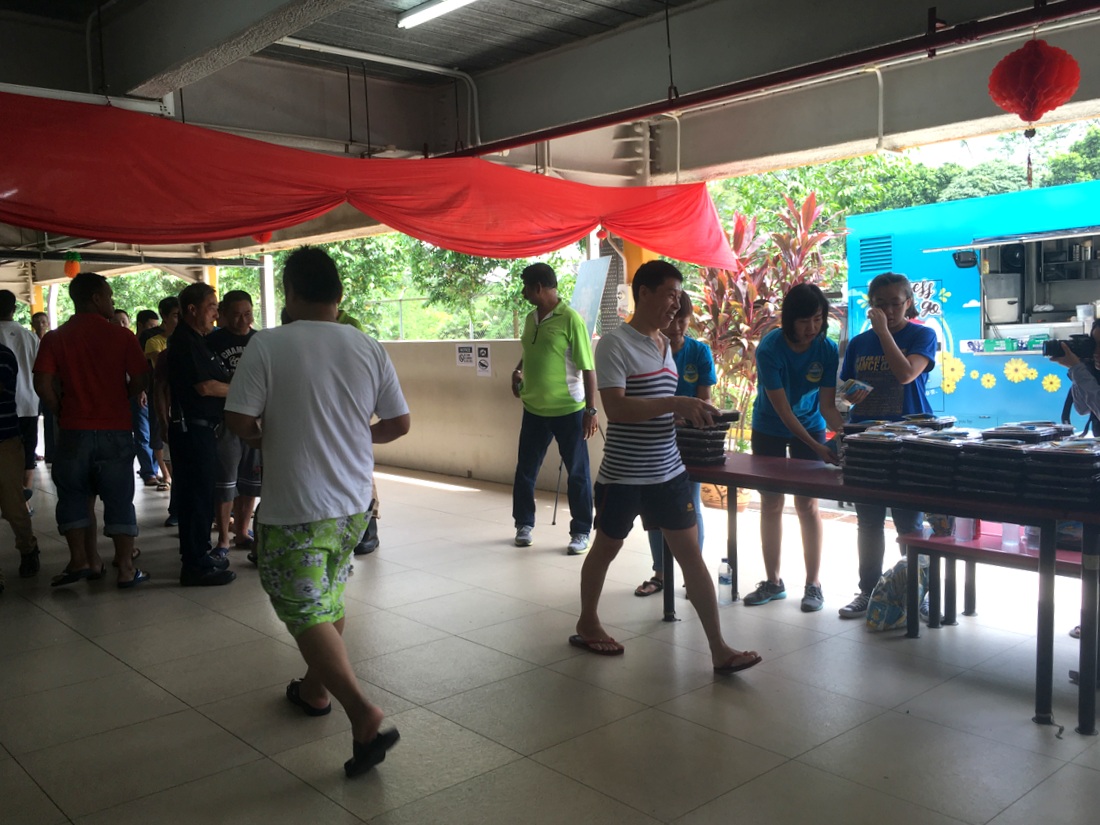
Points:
x=198 y=381
x=238 y=481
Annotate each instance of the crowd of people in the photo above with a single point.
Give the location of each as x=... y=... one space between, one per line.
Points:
x=205 y=405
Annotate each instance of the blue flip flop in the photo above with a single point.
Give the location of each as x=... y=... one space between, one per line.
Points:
x=140 y=577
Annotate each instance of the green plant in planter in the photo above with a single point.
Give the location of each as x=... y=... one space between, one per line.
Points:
x=736 y=308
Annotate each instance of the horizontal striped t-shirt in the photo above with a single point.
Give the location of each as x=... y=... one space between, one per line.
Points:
x=643 y=452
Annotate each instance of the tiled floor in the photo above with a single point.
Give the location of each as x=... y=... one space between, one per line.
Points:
x=165 y=705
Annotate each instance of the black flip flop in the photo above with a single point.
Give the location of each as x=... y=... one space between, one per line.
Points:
x=96 y=575
x=294 y=695
x=365 y=757
x=725 y=670
x=657 y=584
x=67 y=576
x=587 y=644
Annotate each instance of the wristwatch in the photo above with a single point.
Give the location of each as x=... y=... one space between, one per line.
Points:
x=591 y=411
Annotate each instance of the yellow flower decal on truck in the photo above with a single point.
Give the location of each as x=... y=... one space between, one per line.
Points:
x=1016 y=370
x=953 y=368
x=1052 y=383
x=989 y=380
x=948 y=386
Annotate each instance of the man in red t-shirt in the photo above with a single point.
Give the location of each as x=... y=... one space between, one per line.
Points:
x=86 y=372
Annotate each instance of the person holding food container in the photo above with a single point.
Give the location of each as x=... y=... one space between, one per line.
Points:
x=894 y=358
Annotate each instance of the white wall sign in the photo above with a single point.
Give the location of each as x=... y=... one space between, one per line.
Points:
x=484 y=361
x=464 y=355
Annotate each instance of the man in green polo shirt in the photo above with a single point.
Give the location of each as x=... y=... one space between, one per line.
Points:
x=556 y=381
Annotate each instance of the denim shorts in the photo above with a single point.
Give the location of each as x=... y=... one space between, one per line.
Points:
x=100 y=463
x=667 y=505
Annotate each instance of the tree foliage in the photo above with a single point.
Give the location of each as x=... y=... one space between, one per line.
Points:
x=993 y=177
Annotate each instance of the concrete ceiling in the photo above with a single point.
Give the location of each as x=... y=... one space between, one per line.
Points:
x=565 y=87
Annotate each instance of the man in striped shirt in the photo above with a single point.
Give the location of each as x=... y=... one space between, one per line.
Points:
x=642 y=473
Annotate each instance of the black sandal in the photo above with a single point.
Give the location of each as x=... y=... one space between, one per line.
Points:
x=294 y=695
x=365 y=757
x=650 y=587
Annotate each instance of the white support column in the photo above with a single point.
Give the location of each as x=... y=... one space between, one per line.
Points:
x=267 y=294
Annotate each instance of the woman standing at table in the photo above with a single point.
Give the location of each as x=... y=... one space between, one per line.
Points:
x=894 y=356
x=796 y=368
x=695 y=368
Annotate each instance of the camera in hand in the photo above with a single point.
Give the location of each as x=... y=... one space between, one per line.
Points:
x=1080 y=345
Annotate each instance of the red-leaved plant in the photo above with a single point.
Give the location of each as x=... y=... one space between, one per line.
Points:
x=736 y=308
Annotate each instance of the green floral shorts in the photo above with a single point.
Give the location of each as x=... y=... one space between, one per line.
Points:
x=304 y=568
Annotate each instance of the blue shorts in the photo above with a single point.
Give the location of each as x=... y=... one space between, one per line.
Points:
x=89 y=463
x=668 y=505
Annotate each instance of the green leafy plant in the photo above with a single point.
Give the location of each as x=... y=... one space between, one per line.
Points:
x=736 y=308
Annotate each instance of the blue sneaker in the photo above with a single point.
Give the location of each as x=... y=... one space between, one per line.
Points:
x=765 y=592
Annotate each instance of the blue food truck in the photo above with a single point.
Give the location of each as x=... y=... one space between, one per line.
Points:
x=994 y=277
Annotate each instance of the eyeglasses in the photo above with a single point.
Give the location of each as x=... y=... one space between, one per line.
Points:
x=889 y=304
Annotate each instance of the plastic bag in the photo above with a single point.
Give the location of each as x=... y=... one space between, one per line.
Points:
x=886 y=610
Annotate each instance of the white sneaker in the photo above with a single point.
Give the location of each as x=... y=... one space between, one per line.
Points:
x=523 y=536
x=578 y=544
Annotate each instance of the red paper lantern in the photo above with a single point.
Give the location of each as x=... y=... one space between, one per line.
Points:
x=601 y=234
x=262 y=237
x=1034 y=79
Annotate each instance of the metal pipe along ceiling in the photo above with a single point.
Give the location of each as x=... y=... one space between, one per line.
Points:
x=473 y=119
x=926 y=43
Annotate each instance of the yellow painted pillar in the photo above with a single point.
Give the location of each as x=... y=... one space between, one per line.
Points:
x=636 y=256
x=633 y=257
x=38 y=300
x=210 y=276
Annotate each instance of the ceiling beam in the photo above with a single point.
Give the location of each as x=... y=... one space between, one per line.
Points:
x=155 y=47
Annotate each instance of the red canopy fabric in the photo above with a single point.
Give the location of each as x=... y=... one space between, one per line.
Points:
x=110 y=174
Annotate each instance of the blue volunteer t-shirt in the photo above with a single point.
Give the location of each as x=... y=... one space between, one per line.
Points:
x=865 y=361
x=695 y=366
x=799 y=375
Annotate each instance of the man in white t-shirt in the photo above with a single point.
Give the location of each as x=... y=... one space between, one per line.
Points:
x=306 y=393
x=642 y=474
x=24 y=344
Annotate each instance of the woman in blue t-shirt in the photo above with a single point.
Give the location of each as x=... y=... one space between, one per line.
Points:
x=796 y=368
x=894 y=357
x=695 y=366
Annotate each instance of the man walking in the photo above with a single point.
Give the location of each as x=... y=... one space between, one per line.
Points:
x=642 y=473
x=198 y=382
x=307 y=391
x=86 y=372
x=24 y=344
x=557 y=385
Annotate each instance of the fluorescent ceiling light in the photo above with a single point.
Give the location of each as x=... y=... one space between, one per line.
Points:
x=429 y=11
